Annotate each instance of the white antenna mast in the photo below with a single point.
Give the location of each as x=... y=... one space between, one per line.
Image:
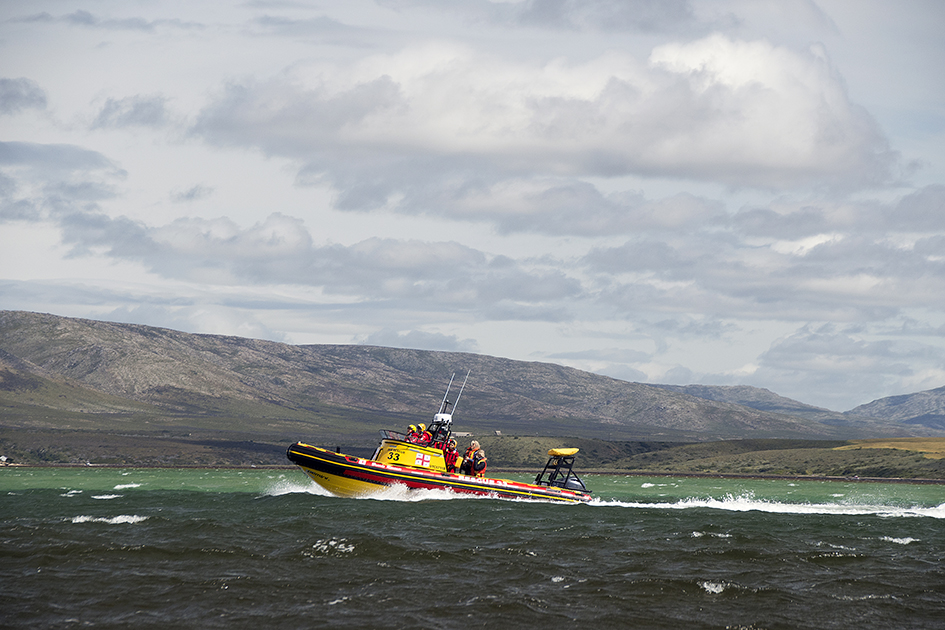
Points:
x=443 y=404
x=461 y=389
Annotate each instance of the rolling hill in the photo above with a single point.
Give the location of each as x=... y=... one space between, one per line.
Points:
x=86 y=377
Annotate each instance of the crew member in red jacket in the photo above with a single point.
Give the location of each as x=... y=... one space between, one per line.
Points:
x=450 y=455
x=425 y=436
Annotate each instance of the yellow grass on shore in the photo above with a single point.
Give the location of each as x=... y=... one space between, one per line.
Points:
x=930 y=447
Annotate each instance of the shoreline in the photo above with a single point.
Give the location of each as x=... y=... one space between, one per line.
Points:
x=594 y=471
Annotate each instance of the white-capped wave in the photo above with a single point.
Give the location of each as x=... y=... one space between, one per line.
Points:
x=393 y=492
x=123 y=486
x=71 y=493
x=899 y=541
x=330 y=547
x=285 y=486
x=748 y=503
x=115 y=520
x=712 y=588
x=710 y=534
x=400 y=492
x=106 y=496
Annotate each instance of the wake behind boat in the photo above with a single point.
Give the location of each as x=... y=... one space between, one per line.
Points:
x=401 y=458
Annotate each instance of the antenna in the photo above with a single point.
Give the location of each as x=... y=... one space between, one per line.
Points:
x=461 y=389
x=446 y=402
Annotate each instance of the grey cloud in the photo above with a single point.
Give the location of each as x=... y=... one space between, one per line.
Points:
x=557 y=207
x=194 y=193
x=31 y=295
x=37 y=180
x=53 y=157
x=517 y=311
x=279 y=250
x=825 y=359
x=829 y=348
x=920 y=211
x=573 y=15
x=678 y=375
x=527 y=286
x=605 y=15
x=767 y=222
x=86 y=19
x=606 y=354
x=20 y=94
x=710 y=328
x=169 y=308
x=321 y=29
x=190 y=315
x=850 y=277
x=624 y=373
x=123 y=237
x=18 y=210
x=63 y=194
x=282 y=120
x=932 y=247
x=419 y=339
x=133 y=111
x=653 y=256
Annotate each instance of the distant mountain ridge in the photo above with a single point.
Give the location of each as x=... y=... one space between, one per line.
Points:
x=925 y=409
x=922 y=411
x=761 y=399
x=66 y=373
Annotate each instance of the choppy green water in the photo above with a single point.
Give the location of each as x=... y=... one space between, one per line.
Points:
x=256 y=548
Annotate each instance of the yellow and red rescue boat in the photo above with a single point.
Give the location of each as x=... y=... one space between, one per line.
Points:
x=417 y=466
x=420 y=467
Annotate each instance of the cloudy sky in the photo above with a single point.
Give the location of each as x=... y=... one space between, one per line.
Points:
x=665 y=191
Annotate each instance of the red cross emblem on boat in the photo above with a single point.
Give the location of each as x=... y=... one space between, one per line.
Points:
x=422 y=460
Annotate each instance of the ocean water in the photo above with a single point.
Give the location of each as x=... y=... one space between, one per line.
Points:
x=164 y=548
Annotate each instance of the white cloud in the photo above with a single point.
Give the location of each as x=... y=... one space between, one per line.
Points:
x=419 y=339
x=782 y=116
x=480 y=128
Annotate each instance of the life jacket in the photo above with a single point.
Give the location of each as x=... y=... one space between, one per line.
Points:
x=425 y=438
x=450 y=456
x=466 y=465
x=479 y=464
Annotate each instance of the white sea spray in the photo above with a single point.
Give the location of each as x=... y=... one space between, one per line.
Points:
x=713 y=588
x=748 y=503
x=286 y=486
x=330 y=546
x=899 y=541
x=115 y=520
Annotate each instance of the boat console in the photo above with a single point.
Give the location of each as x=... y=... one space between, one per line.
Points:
x=558 y=471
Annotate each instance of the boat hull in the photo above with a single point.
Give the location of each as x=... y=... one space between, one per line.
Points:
x=349 y=476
